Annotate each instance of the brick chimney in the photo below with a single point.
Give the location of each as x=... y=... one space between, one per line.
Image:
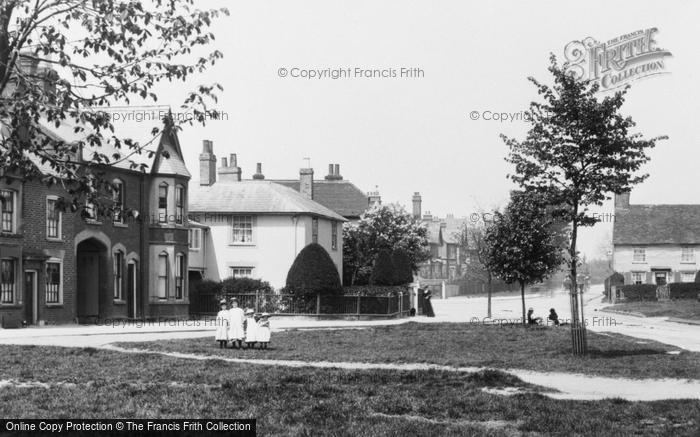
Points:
x=417 y=201
x=230 y=172
x=258 y=173
x=207 y=164
x=374 y=198
x=622 y=200
x=333 y=173
x=306 y=182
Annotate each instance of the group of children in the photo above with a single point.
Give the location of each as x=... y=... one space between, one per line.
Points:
x=238 y=326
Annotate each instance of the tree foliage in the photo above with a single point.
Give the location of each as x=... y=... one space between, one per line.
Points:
x=383 y=272
x=522 y=243
x=64 y=63
x=313 y=272
x=403 y=270
x=384 y=227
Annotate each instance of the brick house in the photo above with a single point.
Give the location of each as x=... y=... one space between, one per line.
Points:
x=57 y=267
x=655 y=244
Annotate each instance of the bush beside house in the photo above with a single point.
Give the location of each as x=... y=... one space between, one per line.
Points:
x=313 y=272
x=638 y=292
x=383 y=272
x=684 y=290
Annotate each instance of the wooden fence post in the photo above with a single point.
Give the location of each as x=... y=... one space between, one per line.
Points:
x=358 y=307
x=318 y=304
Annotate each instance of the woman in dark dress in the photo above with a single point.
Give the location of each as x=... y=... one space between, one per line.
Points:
x=427 y=305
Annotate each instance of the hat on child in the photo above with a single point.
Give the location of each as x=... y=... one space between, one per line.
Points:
x=265 y=315
x=222 y=302
x=249 y=311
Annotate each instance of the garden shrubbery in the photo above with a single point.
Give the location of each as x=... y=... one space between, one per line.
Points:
x=684 y=290
x=636 y=292
x=313 y=272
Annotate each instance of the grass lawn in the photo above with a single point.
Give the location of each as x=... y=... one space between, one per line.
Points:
x=684 y=309
x=458 y=344
x=89 y=383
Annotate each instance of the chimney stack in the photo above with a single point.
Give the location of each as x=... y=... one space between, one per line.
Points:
x=417 y=201
x=622 y=200
x=374 y=198
x=207 y=164
x=229 y=172
x=334 y=173
x=306 y=182
x=259 y=174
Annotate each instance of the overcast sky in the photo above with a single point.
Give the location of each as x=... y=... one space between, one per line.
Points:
x=415 y=134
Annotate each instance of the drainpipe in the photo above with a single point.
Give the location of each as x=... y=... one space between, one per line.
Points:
x=144 y=256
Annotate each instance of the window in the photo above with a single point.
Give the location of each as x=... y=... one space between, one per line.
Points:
x=687 y=277
x=179 y=276
x=240 y=272
x=53 y=218
x=7 y=280
x=53 y=282
x=195 y=238
x=179 y=204
x=162 y=287
x=687 y=255
x=242 y=229
x=637 y=278
x=118 y=201
x=334 y=235
x=640 y=255
x=7 y=203
x=163 y=203
x=90 y=211
x=314 y=230
x=118 y=258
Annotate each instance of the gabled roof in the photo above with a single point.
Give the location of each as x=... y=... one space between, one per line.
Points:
x=137 y=130
x=437 y=234
x=657 y=224
x=341 y=196
x=254 y=197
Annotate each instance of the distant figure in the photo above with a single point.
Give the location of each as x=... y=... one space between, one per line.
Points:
x=553 y=317
x=427 y=305
x=235 y=325
x=412 y=312
x=533 y=320
x=263 y=330
x=222 y=325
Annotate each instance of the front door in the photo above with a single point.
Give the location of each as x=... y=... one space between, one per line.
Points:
x=31 y=296
x=660 y=278
x=88 y=284
x=131 y=289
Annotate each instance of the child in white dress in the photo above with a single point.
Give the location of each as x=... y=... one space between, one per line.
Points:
x=264 y=330
x=222 y=325
x=251 y=329
x=236 y=318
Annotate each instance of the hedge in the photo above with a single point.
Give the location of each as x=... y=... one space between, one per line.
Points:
x=684 y=290
x=313 y=272
x=374 y=290
x=639 y=292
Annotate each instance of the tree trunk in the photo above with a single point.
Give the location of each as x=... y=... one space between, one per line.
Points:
x=490 y=292
x=522 y=297
x=578 y=326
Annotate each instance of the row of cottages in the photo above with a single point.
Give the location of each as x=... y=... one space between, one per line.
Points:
x=655 y=244
x=255 y=228
x=443 y=235
x=58 y=267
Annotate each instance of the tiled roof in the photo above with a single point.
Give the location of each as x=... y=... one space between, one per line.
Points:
x=448 y=234
x=341 y=196
x=657 y=224
x=254 y=197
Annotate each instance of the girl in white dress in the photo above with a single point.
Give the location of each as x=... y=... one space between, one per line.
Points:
x=236 y=333
x=251 y=329
x=264 y=330
x=222 y=325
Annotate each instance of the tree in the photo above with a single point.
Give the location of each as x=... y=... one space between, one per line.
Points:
x=64 y=62
x=521 y=243
x=383 y=272
x=577 y=151
x=313 y=272
x=384 y=227
x=402 y=267
x=475 y=252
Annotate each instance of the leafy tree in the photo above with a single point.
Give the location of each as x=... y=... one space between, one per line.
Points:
x=402 y=267
x=384 y=272
x=244 y=285
x=313 y=272
x=64 y=62
x=474 y=249
x=577 y=151
x=521 y=243
x=384 y=227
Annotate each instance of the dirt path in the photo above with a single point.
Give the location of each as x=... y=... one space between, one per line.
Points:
x=567 y=385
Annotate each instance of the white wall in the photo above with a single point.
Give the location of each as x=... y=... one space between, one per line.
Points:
x=277 y=239
x=666 y=256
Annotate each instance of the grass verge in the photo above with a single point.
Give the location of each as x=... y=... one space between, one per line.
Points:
x=683 y=309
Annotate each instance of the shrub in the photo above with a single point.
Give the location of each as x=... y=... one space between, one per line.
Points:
x=383 y=272
x=684 y=290
x=313 y=272
x=639 y=292
x=204 y=286
x=403 y=271
x=697 y=276
x=244 y=285
x=374 y=290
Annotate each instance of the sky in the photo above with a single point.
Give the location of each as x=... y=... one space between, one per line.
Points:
x=415 y=134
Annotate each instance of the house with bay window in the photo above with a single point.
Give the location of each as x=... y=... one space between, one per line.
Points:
x=253 y=228
x=655 y=244
x=61 y=267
